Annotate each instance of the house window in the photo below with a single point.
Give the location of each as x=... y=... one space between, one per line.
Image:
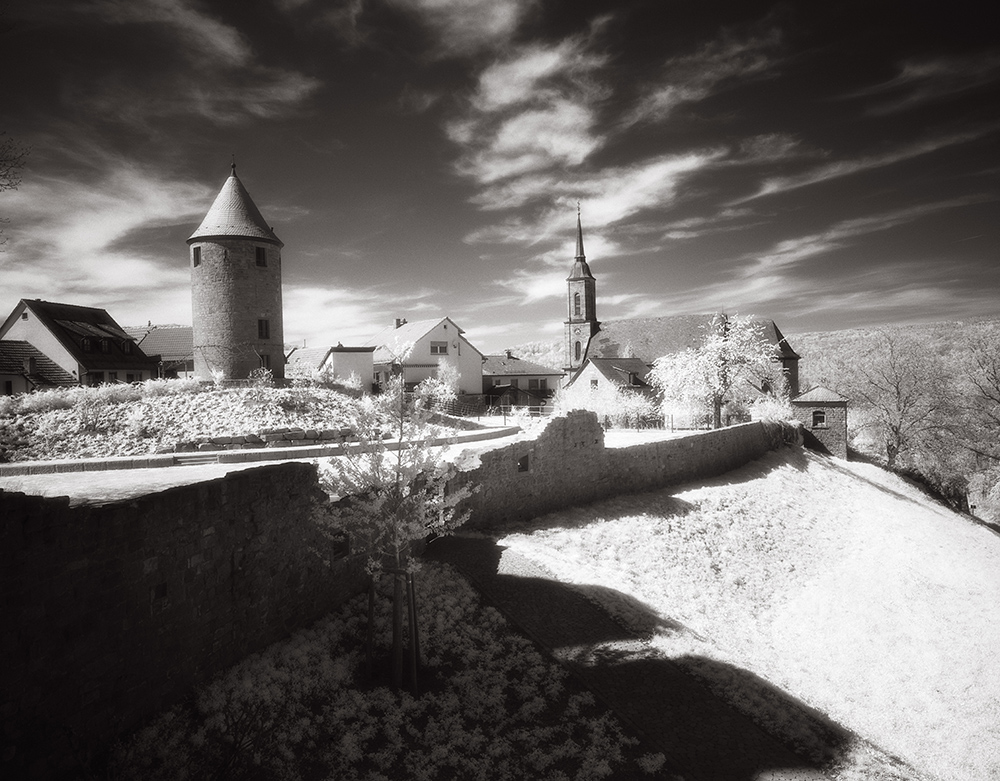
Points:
x=263 y=329
x=97 y=378
x=513 y=383
x=24 y=315
x=8 y=388
x=532 y=384
x=112 y=376
x=497 y=381
x=261 y=256
x=439 y=348
x=196 y=256
x=543 y=384
x=130 y=377
x=576 y=303
x=593 y=384
x=105 y=345
x=87 y=344
x=576 y=351
x=265 y=361
x=819 y=418
x=127 y=347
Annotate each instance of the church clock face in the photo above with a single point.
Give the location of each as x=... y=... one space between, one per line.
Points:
x=576 y=330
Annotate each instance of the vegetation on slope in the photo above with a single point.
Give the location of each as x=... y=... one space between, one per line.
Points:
x=837 y=582
x=124 y=420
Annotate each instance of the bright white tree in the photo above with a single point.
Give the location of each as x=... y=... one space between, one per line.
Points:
x=734 y=364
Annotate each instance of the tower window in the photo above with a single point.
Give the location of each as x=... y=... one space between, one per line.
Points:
x=263 y=329
x=196 y=256
x=576 y=350
x=261 y=256
x=576 y=303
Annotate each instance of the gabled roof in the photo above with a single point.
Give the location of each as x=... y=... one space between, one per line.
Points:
x=508 y=366
x=819 y=395
x=653 y=337
x=14 y=354
x=391 y=341
x=234 y=214
x=313 y=357
x=170 y=342
x=629 y=372
x=71 y=324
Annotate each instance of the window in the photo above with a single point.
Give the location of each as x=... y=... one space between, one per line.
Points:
x=8 y=388
x=24 y=315
x=819 y=418
x=576 y=303
x=263 y=329
x=265 y=361
x=130 y=377
x=87 y=344
x=593 y=384
x=576 y=351
x=261 y=256
x=497 y=381
x=127 y=347
x=439 y=348
x=513 y=383
x=532 y=384
x=543 y=384
x=97 y=378
x=105 y=345
x=196 y=256
x=112 y=376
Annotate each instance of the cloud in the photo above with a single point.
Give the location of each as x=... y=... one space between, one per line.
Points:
x=465 y=27
x=924 y=81
x=842 y=168
x=694 y=77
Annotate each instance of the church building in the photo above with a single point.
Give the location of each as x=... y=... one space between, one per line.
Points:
x=236 y=289
x=640 y=341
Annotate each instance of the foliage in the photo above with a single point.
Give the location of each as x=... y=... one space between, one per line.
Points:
x=297 y=710
x=439 y=391
x=551 y=354
x=734 y=364
x=616 y=407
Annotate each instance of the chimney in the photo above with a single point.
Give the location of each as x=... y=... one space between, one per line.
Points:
x=400 y=322
x=510 y=355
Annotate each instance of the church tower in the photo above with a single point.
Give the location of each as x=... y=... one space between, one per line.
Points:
x=236 y=289
x=581 y=321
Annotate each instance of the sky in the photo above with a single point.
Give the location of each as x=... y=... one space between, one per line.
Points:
x=826 y=165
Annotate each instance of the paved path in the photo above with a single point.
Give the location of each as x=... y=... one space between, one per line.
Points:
x=703 y=738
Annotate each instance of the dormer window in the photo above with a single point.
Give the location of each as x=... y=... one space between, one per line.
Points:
x=261 y=256
x=105 y=345
x=87 y=344
x=127 y=347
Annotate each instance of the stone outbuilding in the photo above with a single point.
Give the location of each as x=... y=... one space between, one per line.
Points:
x=823 y=413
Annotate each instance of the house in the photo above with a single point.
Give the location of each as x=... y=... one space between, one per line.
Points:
x=823 y=413
x=586 y=338
x=601 y=374
x=340 y=364
x=173 y=343
x=23 y=369
x=85 y=343
x=420 y=348
x=509 y=381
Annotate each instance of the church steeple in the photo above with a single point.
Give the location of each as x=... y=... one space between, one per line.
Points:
x=581 y=323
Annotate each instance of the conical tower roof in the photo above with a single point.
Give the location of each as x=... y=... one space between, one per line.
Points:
x=234 y=214
x=580 y=268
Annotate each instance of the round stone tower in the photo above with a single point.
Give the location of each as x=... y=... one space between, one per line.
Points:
x=236 y=289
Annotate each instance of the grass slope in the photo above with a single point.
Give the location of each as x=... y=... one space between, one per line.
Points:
x=839 y=583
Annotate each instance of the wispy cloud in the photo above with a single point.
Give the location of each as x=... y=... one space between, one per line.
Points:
x=924 y=81
x=465 y=27
x=840 y=168
x=693 y=77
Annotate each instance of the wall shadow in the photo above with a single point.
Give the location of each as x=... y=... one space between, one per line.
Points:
x=682 y=706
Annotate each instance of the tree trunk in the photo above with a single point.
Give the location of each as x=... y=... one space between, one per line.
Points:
x=411 y=603
x=397 y=632
x=370 y=639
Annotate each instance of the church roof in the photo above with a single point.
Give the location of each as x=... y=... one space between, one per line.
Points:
x=233 y=213
x=652 y=337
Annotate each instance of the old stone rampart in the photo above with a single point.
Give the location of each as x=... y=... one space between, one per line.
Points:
x=112 y=612
x=568 y=464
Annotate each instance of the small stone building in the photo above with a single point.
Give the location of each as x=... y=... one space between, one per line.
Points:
x=823 y=413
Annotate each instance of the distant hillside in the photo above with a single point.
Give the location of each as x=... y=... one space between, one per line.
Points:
x=822 y=351
x=546 y=353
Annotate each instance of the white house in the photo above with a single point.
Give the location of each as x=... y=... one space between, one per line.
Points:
x=340 y=364
x=418 y=349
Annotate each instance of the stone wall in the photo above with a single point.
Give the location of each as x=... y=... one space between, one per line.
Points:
x=112 y=612
x=568 y=464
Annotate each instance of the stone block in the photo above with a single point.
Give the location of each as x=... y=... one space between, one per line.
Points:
x=206 y=446
x=295 y=433
x=221 y=440
x=272 y=437
x=311 y=433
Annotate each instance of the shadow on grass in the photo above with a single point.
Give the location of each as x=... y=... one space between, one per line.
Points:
x=682 y=707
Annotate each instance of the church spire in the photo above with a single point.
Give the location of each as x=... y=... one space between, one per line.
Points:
x=581 y=321
x=579 y=235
